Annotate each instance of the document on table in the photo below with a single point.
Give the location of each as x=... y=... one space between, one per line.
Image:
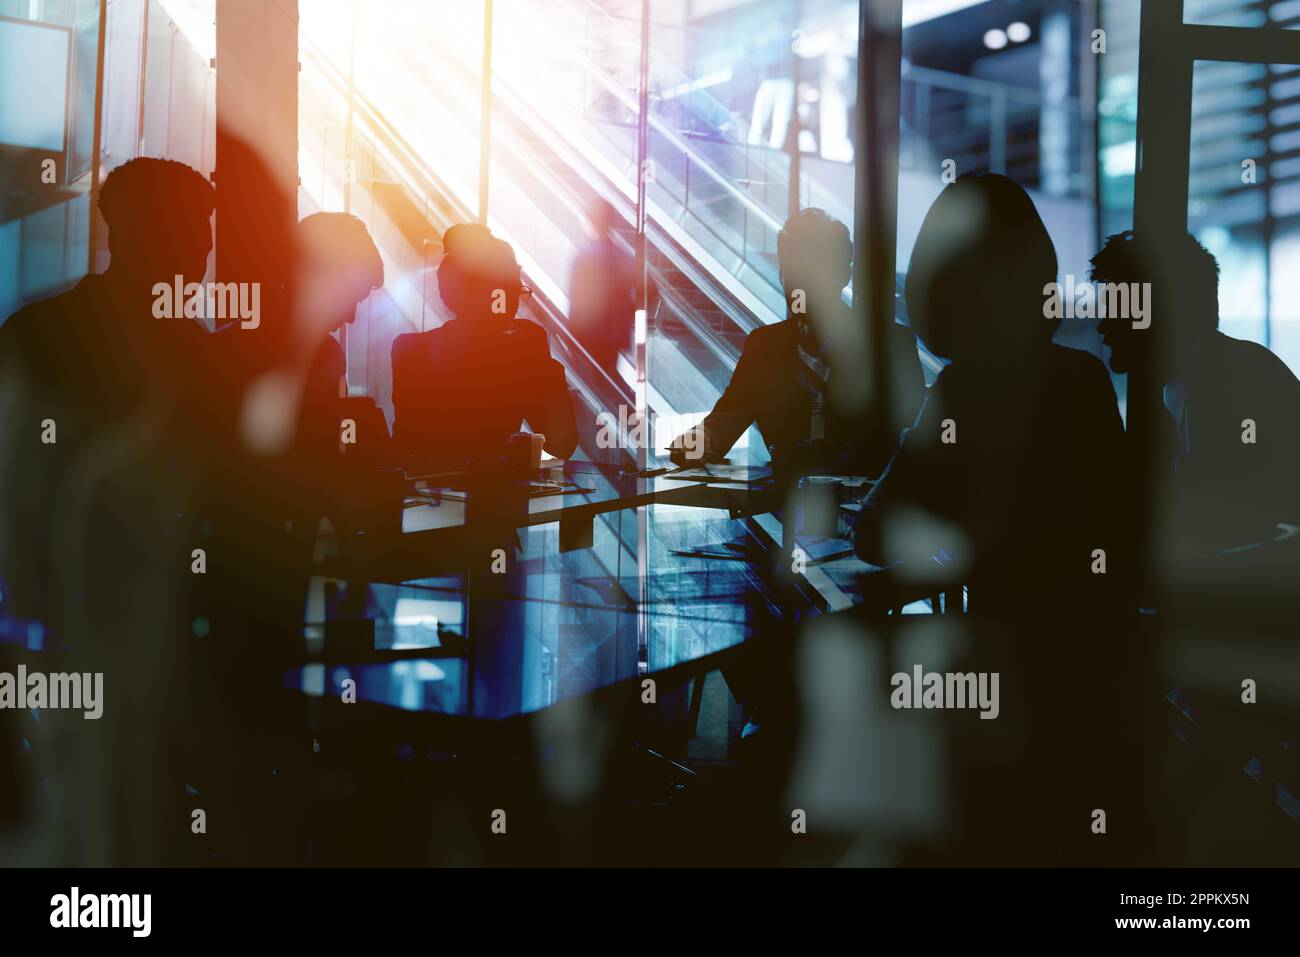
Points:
x=741 y=474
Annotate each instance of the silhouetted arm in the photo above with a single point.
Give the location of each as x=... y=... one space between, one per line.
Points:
x=917 y=476
x=403 y=394
x=554 y=416
x=907 y=380
x=734 y=412
x=898 y=475
x=870 y=450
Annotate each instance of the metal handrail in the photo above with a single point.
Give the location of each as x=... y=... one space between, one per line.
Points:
x=662 y=222
x=685 y=77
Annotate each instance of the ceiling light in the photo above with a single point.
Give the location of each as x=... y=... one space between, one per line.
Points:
x=1018 y=32
x=995 y=39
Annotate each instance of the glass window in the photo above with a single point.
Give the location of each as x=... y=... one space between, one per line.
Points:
x=1243 y=13
x=1244 y=196
x=986 y=88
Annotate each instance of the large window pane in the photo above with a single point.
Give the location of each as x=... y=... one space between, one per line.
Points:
x=1244 y=196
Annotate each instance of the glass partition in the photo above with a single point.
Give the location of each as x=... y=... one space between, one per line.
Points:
x=1242 y=13
x=1244 y=196
x=45 y=226
x=985 y=89
x=158 y=100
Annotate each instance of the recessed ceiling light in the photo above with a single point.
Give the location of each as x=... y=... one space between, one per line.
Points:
x=1018 y=32
x=995 y=39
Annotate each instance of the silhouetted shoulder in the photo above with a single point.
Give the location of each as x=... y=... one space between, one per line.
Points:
x=1076 y=362
x=773 y=338
x=1079 y=381
x=527 y=332
x=404 y=343
x=21 y=322
x=1059 y=382
x=29 y=319
x=330 y=359
x=36 y=331
x=1236 y=379
x=1247 y=361
x=410 y=353
x=1079 y=366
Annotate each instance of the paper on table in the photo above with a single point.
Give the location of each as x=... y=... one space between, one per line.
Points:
x=722 y=473
x=816 y=550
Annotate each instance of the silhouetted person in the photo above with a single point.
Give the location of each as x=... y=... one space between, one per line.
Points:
x=101 y=391
x=1228 y=462
x=602 y=291
x=1007 y=480
x=338 y=267
x=283 y=459
x=1014 y=444
x=89 y=344
x=801 y=379
x=461 y=390
x=78 y=364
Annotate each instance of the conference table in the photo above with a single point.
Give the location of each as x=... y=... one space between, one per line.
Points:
x=495 y=598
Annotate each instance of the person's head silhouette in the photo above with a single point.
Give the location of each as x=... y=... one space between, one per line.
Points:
x=339 y=266
x=157 y=212
x=815 y=254
x=479 y=276
x=975 y=285
x=1182 y=307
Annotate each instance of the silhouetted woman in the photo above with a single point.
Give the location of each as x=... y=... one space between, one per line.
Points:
x=1009 y=481
x=1002 y=478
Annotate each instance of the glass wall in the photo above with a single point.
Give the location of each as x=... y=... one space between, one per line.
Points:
x=752 y=119
x=750 y=116
x=1244 y=194
x=1226 y=212
x=1117 y=79
x=1243 y=13
x=158 y=100
x=388 y=130
x=44 y=221
x=1007 y=88
x=159 y=86
x=1244 y=186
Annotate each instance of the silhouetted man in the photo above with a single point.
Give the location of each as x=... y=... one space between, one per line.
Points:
x=106 y=344
x=1229 y=461
x=802 y=380
x=461 y=390
x=76 y=365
